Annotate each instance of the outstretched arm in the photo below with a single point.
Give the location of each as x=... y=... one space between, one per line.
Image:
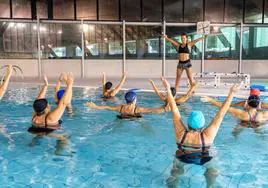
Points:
x=211 y=131
x=192 y=43
x=158 y=93
x=103 y=82
x=186 y=97
x=119 y=85
x=3 y=87
x=56 y=114
x=152 y=110
x=177 y=122
x=175 y=43
x=239 y=104
x=264 y=105
x=94 y=106
x=43 y=91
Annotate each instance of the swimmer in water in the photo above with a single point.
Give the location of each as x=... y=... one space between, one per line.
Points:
x=183 y=50
x=250 y=114
x=130 y=109
x=107 y=91
x=244 y=104
x=44 y=120
x=179 y=100
x=3 y=87
x=60 y=92
x=194 y=140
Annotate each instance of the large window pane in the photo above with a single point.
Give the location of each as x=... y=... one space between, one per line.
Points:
x=253 y=11
x=86 y=9
x=173 y=10
x=255 y=45
x=19 y=40
x=131 y=10
x=21 y=9
x=265 y=11
x=152 y=10
x=41 y=9
x=233 y=11
x=175 y=32
x=224 y=44
x=60 y=40
x=103 y=41
x=143 y=42
x=193 y=11
x=4 y=9
x=214 y=10
x=108 y=10
x=63 y=9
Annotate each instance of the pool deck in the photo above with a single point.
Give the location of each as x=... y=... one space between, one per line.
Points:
x=141 y=83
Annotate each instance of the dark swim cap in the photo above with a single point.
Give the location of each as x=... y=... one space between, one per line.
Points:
x=60 y=94
x=108 y=85
x=40 y=105
x=173 y=91
x=253 y=101
x=130 y=96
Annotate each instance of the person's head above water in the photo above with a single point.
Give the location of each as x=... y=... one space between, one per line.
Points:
x=254 y=92
x=60 y=94
x=184 y=38
x=40 y=106
x=253 y=101
x=173 y=91
x=196 y=120
x=130 y=97
x=108 y=85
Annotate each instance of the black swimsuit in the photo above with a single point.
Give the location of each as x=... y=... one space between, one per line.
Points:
x=199 y=157
x=33 y=129
x=129 y=116
x=184 y=64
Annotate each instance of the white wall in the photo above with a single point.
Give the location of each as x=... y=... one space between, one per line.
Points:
x=135 y=68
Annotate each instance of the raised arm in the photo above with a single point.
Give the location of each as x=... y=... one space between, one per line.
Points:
x=177 y=122
x=211 y=131
x=186 y=97
x=103 y=82
x=56 y=114
x=43 y=91
x=158 y=93
x=192 y=43
x=119 y=85
x=94 y=106
x=3 y=87
x=175 y=43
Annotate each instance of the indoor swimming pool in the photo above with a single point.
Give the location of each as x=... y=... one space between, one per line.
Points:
x=104 y=151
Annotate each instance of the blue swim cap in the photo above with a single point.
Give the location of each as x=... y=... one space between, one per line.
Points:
x=130 y=96
x=196 y=120
x=60 y=94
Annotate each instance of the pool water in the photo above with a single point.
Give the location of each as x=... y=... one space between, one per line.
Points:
x=106 y=152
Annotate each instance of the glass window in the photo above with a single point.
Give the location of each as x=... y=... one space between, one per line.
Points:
x=175 y=32
x=254 y=43
x=173 y=10
x=224 y=45
x=63 y=9
x=108 y=10
x=253 y=11
x=131 y=10
x=103 y=41
x=60 y=40
x=86 y=9
x=21 y=9
x=143 y=42
x=233 y=11
x=265 y=11
x=214 y=10
x=19 y=40
x=42 y=9
x=4 y=9
x=152 y=10
x=193 y=11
